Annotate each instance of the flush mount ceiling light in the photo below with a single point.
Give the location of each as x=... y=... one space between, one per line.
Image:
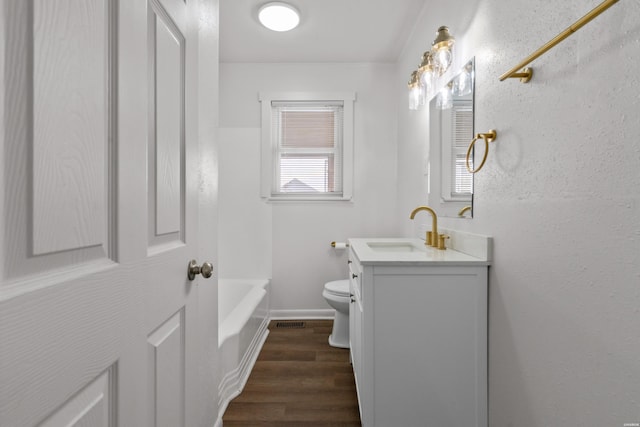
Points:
x=278 y=16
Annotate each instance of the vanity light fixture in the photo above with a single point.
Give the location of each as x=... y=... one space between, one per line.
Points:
x=442 y=50
x=279 y=16
x=435 y=62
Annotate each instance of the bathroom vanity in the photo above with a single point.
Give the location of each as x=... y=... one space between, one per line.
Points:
x=418 y=332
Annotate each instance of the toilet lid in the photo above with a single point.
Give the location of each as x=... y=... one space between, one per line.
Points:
x=338 y=287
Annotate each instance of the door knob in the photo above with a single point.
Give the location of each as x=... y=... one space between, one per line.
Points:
x=206 y=269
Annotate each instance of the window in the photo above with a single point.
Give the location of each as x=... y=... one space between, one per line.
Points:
x=457 y=182
x=307 y=142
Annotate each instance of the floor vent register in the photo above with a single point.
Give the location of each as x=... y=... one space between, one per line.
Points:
x=289 y=325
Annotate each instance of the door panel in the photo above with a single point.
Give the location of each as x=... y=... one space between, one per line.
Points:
x=169 y=96
x=69 y=141
x=166 y=372
x=98 y=212
x=91 y=407
x=56 y=340
x=58 y=197
x=166 y=128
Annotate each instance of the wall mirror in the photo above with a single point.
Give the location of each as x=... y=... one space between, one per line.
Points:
x=450 y=132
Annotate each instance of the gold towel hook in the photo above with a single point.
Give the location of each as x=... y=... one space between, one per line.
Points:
x=487 y=137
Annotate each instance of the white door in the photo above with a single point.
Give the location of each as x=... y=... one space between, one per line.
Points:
x=98 y=211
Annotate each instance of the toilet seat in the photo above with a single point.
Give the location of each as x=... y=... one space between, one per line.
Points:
x=338 y=288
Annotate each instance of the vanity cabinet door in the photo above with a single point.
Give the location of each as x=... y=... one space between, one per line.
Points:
x=357 y=360
x=355 y=324
x=427 y=360
x=352 y=320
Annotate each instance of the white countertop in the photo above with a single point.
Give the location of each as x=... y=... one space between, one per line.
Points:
x=408 y=251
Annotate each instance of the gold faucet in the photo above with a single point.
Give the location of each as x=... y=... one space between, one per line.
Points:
x=432 y=236
x=463 y=210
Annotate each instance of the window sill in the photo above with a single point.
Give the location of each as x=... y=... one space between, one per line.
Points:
x=289 y=199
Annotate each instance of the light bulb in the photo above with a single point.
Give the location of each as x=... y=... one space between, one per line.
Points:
x=443 y=58
x=426 y=80
x=414 y=91
x=462 y=84
x=445 y=98
x=414 y=98
x=422 y=97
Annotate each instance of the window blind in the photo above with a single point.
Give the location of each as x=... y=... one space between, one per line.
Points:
x=462 y=134
x=307 y=147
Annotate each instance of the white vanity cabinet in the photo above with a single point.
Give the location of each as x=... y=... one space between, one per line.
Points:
x=418 y=335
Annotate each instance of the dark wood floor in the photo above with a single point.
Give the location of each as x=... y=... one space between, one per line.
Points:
x=298 y=380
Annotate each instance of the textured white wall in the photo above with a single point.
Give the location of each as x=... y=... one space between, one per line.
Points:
x=294 y=238
x=560 y=194
x=245 y=234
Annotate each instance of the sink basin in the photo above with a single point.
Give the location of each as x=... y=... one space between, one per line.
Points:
x=394 y=247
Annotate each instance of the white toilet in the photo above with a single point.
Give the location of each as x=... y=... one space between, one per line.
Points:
x=337 y=295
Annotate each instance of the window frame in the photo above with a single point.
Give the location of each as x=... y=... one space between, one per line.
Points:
x=268 y=144
x=448 y=163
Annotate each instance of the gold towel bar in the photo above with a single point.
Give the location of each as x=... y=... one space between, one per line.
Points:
x=525 y=75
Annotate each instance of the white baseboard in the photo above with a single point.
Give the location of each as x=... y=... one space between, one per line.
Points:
x=232 y=384
x=328 y=313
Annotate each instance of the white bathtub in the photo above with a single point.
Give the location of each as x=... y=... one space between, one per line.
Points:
x=243 y=317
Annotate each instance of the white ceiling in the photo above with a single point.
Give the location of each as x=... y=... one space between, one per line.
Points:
x=329 y=31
